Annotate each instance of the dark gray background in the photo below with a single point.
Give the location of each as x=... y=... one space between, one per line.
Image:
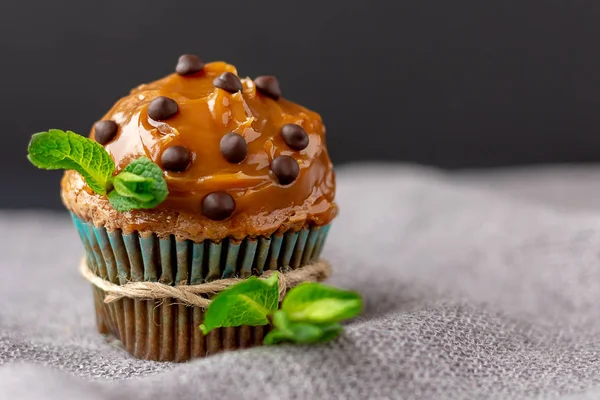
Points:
x=462 y=83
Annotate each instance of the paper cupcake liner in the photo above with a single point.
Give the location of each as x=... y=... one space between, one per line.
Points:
x=166 y=330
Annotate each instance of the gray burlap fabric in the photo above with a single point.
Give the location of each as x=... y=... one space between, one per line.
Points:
x=477 y=286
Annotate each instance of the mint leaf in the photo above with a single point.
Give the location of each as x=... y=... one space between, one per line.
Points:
x=300 y=332
x=140 y=185
x=246 y=303
x=57 y=149
x=277 y=336
x=134 y=186
x=330 y=331
x=321 y=304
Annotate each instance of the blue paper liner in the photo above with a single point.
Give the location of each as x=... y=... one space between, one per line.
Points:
x=168 y=331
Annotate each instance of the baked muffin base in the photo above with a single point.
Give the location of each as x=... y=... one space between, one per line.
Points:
x=164 y=222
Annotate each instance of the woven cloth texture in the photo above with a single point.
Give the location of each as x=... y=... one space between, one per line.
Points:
x=482 y=285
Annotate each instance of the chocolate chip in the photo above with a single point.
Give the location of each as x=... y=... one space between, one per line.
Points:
x=189 y=64
x=234 y=148
x=218 y=206
x=229 y=82
x=269 y=86
x=294 y=136
x=105 y=131
x=286 y=169
x=175 y=158
x=162 y=108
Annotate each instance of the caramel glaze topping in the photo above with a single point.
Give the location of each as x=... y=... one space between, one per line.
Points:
x=205 y=114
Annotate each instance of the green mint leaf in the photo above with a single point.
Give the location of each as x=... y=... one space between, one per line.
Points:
x=140 y=185
x=307 y=333
x=330 y=331
x=57 y=149
x=246 y=303
x=137 y=187
x=300 y=332
x=276 y=336
x=321 y=304
x=122 y=204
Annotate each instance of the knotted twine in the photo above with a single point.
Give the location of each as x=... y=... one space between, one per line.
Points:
x=192 y=295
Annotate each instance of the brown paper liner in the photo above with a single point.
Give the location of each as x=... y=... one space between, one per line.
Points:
x=167 y=330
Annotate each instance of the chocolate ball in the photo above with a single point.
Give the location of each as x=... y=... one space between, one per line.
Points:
x=294 y=136
x=228 y=82
x=218 y=206
x=105 y=131
x=286 y=169
x=189 y=64
x=162 y=108
x=176 y=159
x=234 y=147
x=269 y=86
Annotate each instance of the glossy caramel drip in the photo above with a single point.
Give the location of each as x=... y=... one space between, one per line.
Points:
x=205 y=115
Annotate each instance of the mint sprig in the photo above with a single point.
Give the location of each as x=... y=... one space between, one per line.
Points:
x=140 y=185
x=286 y=330
x=57 y=149
x=310 y=313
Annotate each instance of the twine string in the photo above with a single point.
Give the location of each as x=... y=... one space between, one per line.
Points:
x=196 y=295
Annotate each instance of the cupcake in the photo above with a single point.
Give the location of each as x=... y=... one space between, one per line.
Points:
x=251 y=189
